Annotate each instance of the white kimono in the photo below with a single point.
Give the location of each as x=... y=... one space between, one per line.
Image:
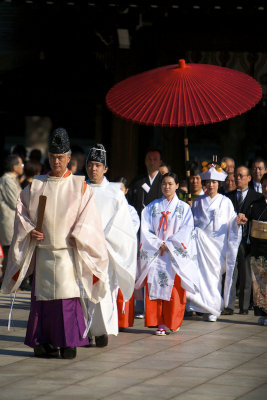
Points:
x=62 y=272
x=172 y=223
x=135 y=218
x=218 y=238
x=122 y=250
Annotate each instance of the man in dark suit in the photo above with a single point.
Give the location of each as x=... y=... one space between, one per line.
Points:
x=258 y=169
x=142 y=191
x=147 y=188
x=242 y=198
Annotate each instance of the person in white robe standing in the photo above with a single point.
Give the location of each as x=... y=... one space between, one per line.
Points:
x=65 y=253
x=121 y=244
x=217 y=236
x=168 y=264
x=134 y=215
x=126 y=309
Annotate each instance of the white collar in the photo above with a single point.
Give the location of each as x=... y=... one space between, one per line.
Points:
x=104 y=183
x=151 y=180
x=243 y=191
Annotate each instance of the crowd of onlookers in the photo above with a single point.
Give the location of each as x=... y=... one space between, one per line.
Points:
x=243 y=186
x=20 y=168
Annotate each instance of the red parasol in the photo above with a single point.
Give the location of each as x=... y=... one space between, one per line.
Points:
x=184 y=95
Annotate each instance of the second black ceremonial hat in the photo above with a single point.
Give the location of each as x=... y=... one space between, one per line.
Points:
x=97 y=152
x=58 y=141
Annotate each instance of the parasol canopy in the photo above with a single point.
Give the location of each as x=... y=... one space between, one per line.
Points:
x=184 y=95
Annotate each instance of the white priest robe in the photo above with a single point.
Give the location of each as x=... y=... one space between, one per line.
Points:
x=134 y=217
x=172 y=223
x=122 y=251
x=218 y=238
x=62 y=272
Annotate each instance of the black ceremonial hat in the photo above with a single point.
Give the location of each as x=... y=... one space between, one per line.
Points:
x=58 y=141
x=97 y=153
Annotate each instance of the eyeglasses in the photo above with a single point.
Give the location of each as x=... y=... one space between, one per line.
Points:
x=240 y=176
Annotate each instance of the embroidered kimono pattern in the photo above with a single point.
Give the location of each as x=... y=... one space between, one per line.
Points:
x=172 y=223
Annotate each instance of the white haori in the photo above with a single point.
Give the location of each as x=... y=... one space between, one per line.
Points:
x=172 y=223
x=122 y=251
x=61 y=271
x=55 y=276
x=218 y=239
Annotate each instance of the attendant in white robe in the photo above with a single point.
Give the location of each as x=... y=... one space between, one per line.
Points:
x=168 y=264
x=126 y=309
x=66 y=253
x=217 y=236
x=134 y=215
x=121 y=244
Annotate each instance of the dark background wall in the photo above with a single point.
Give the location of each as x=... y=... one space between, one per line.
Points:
x=58 y=59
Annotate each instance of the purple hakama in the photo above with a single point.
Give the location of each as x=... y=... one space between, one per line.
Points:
x=57 y=322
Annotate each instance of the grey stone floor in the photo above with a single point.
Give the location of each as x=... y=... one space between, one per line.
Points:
x=224 y=360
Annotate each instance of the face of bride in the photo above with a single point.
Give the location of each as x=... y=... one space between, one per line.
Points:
x=212 y=187
x=169 y=187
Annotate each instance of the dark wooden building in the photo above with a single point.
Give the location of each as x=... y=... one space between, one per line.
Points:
x=58 y=59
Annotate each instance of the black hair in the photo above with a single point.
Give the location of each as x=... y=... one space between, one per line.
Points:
x=35 y=155
x=163 y=164
x=154 y=149
x=19 y=150
x=195 y=172
x=32 y=168
x=10 y=161
x=259 y=159
x=170 y=175
x=123 y=180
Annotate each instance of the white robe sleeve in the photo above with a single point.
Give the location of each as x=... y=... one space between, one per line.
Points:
x=91 y=253
x=135 y=218
x=182 y=247
x=122 y=247
x=149 y=246
x=22 y=246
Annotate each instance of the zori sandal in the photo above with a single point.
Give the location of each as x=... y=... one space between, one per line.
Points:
x=160 y=332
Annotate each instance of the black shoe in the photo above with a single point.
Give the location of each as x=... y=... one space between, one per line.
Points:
x=243 y=312
x=26 y=285
x=46 y=350
x=227 y=311
x=101 y=341
x=90 y=344
x=68 y=352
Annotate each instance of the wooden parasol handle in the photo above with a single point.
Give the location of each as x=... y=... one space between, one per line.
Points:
x=187 y=164
x=40 y=213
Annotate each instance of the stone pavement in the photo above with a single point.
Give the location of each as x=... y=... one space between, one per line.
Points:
x=221 y=360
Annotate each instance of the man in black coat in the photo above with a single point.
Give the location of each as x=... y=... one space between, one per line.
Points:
x=258 y=169
x=242 y=198
x=142 y=191
x=147 y=188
